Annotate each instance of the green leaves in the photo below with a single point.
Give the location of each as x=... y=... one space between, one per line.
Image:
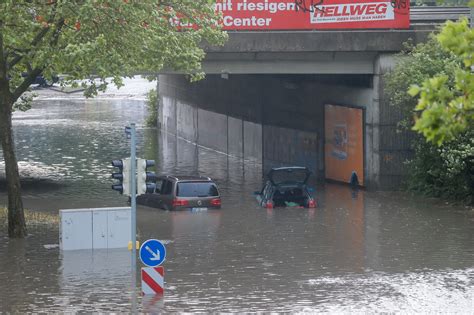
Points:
x=446 y=170
x=438 y=78
x=103 y=38
x=446 y=103
x=438 y=105
x=152 y=107
x=415 y=65
x=458 y=38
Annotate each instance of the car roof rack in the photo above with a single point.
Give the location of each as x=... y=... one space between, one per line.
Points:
x=189 y=177
x=290 y=167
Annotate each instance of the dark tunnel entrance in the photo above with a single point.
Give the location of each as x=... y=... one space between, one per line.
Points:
x=317 y=121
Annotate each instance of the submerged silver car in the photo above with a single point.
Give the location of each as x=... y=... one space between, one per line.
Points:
x=194 y=193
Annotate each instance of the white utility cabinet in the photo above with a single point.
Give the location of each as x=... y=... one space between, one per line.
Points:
x=94 y=228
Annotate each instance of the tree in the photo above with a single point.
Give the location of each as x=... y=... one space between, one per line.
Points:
x=447 y=110
x=415 y=65
x=80 y=38
x=446 y=170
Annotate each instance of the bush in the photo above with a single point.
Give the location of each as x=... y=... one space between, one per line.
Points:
x=415 y=65
x=444 y=171
x=152 y=107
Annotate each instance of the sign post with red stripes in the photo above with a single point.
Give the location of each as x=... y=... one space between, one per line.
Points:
x=153 y=280
x=152 y=254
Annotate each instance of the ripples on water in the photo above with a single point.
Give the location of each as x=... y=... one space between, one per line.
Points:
x=357 y=252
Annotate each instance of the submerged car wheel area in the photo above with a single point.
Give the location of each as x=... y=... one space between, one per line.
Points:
x=287 y=187
x=183 y=192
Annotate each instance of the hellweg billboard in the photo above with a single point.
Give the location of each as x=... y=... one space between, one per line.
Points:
x=313 y=14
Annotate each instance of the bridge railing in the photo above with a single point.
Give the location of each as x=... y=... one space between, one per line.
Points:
x=437 y=15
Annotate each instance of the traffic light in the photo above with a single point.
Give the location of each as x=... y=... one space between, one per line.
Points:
x=123 y=176
x=145 y=180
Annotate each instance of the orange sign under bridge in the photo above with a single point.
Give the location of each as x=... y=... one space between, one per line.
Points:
x=344 y=143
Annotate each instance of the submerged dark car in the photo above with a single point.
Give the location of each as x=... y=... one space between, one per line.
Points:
x=42 y=81
x=194 y=193
x=287 y=187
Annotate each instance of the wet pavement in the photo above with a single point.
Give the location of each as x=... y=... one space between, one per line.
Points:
x=358 y=251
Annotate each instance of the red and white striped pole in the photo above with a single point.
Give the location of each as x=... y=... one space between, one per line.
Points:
x=153 y=280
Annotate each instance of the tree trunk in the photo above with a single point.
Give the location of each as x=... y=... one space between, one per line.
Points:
x=16 y=216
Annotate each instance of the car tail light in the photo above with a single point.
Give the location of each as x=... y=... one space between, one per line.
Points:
x=312 y=203
x=269 y=205
x=180 y=202
x=216 y=202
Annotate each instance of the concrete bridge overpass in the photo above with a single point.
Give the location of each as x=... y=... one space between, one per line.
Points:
x=269 y=95
x=335 y=52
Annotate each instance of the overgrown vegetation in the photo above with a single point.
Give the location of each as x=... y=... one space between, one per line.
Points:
x=445 y=170
x=152 y=107
x=33 y=217
x=445 y=107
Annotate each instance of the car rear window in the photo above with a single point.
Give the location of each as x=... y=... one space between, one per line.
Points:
x=196 y=189
x=289 y=176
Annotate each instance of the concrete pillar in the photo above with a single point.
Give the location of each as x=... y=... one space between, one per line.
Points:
x=382 y=64
x=389 y=148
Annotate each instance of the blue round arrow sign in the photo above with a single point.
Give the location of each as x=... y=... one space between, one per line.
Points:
x=152 y=253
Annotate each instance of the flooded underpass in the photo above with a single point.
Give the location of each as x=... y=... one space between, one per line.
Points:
x=358 y=251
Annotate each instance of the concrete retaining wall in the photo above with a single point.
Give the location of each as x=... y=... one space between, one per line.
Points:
x=284 y=146
x=391 y=148
x=252 y=144
x=235 y=137
x=179 y=114
x=212 y=130
x=187 y=121
x=168 y=114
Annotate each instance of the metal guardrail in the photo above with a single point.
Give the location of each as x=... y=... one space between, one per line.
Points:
x=437 y=15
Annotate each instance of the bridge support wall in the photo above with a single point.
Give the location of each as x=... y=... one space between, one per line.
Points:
x=210 y=114
x=390 y=147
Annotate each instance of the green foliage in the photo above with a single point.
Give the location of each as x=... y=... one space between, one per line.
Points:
x=447 y=170
x=152 y=106
x=104 y=38
x=87 y=41
x=446 y=105
x=24 y=102
x=414 y=65
x=444 y=171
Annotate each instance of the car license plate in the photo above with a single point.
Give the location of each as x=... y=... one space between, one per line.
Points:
x=198 y=209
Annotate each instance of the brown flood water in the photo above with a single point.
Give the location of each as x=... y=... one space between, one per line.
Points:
x=358 y=251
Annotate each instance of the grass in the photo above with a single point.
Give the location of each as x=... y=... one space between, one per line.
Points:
x=32 y=217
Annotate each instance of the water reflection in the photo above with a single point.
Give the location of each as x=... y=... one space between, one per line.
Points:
x=358 y=251
x=94 y=279
x=345 y=218
x=28 y=272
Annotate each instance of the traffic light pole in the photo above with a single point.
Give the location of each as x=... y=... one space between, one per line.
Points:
x=133 y=195
x=130 y=170
x=133 y=201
